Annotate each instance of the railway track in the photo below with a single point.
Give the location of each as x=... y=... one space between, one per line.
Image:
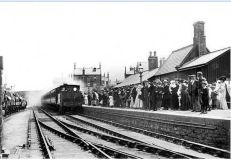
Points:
x=201 y=148
x=98 y=150
x=125 y=140
x=132 y=143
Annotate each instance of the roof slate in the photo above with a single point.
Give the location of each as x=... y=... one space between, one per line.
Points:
x=135 y=79
x=175 y=58
x=204 y=59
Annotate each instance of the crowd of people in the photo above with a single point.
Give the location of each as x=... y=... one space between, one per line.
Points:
x=194 y=94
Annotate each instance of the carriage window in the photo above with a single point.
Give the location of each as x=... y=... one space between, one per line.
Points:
x=63 y=89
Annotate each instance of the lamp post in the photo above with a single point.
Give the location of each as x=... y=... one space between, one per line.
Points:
x=140 y=69
x=177 y=68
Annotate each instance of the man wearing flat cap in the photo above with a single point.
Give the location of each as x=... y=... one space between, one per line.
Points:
x=144 y=90
x=193 y=93
x=152 y=95
x=200 y=79
x=166 y=95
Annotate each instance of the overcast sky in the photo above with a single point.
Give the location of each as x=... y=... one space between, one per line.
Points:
x=41 y=41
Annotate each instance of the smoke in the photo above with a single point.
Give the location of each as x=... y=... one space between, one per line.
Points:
x=33 y=98
x=60 y=81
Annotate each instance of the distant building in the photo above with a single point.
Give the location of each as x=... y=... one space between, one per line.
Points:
x=195 y=57
x=91 y=77
x=151 y=64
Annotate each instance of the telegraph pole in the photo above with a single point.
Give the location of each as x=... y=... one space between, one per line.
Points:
x=1 y=122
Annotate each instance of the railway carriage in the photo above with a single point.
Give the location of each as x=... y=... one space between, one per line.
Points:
x=64 y=98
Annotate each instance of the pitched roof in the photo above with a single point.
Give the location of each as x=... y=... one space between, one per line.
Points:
x=88 y=71
x=135 y=79
x=175 y=58
x=204 y=59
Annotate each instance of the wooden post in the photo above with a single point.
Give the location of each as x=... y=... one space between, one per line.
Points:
x=1 y=122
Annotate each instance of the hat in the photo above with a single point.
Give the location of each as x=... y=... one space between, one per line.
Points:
x=204 y=82
x=223 y=78
x=199 y=73
x=165 y=81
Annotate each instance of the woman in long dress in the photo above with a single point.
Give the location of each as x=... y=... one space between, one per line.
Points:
x=221 y=90
x=175 y=101
x=138 y=101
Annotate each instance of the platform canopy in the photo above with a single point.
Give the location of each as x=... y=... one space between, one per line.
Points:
x=135 y=78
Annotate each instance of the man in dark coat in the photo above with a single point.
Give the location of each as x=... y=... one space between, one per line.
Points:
x=193 y=92
x=200 y=81
x=204 y=97
x=116 y=98
x=190 y=79
x=166 y=95
x=159 y=95
x=134 y=93
x=152 y=96
x=122 y=97
x=145 y=94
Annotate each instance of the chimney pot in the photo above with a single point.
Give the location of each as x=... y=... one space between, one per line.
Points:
x=150 y=53
x=154 y=53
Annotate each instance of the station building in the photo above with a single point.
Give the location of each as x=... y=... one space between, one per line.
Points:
x=91 y=77
x=195 y=57
x=184 y=61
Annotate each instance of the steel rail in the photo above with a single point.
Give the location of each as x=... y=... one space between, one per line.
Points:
x=43 y=142
x=92 y=146
x=151 y=148
x=217 y=152
x=132 y=143
x=110 y=151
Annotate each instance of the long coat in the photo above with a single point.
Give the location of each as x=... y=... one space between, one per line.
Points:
x=166 y=97
x=175 y=100
x=152 y=96
x=145 y=95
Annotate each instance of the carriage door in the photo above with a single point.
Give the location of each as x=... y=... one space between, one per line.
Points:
x=59 y=99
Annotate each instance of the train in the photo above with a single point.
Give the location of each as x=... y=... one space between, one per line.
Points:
x=64 y=98
x=12 y=102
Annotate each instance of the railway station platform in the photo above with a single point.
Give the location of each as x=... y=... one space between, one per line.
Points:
x=211 y=129
x=15 y=131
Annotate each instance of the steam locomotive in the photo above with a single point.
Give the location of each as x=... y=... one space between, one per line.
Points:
x=12 y=102
x=64 y=98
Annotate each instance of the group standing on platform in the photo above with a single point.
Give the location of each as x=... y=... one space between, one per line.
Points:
x=194 y=94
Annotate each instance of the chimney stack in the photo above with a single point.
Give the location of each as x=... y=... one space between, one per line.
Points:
x=162 y=60
x=199 y=40
x=152 y=61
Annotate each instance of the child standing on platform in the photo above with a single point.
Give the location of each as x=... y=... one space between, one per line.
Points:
x=215 y=102
x=204 y=97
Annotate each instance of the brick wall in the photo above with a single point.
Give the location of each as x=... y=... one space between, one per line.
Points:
x=212 y=132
